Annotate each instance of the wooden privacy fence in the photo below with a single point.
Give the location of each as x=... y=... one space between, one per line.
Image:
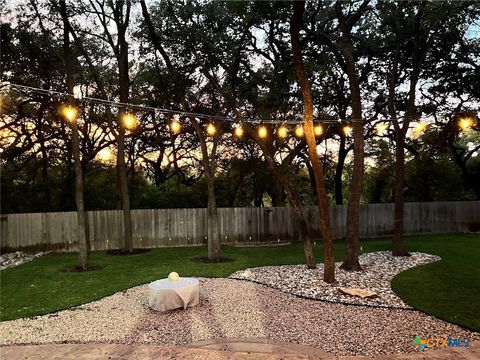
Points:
x=183 y=227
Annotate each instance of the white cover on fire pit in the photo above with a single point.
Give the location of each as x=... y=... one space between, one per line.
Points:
x=167 y=295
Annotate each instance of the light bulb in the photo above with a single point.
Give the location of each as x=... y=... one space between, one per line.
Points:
x=211 y=129
x=175 y=126
x=318 y=130
x=238 y=131
x=70 y=113
x=129 y=121
x=262 y=132
x=465 y=123
x=299 y=131
x=347 y=130
x=282 y=132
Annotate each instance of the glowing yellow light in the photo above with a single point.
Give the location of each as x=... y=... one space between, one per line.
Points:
x=347 y=130
x=175 y=126
x=129 y=121
x=70 y=113
x=381 y=129
x=262 y=132
x=238 y=131
x=299 y=131
x=420 y=127
x=465 y=123
x=173 y=276
x=105 y=155
x=318 y=130
x=211 y=129
x=282 y=132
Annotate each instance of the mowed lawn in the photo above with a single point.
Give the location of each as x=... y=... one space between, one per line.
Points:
x=449 y=289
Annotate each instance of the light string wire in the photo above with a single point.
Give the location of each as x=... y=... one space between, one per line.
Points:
x=141 y=107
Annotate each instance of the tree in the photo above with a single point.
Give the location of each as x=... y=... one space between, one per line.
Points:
x=71 y=116
x=325 y=227
x=208 y=159
x=119 y=14
x=416 y=38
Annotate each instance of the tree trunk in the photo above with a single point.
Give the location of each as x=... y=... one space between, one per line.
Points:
x=342 y=154
x=353 y=207
x=276 y=193
x=81 y=236
x=398 y=246
x=325 y=227
x=280 y=174
x=213 y=226
x=122 y=177
x=121 y=165
x=213 y=240
x=299 y=218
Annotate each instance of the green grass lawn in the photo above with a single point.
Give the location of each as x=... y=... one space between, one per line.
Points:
x=449 y=289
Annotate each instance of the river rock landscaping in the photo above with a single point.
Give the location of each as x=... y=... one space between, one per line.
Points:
x=16 y=258
x=378 y=270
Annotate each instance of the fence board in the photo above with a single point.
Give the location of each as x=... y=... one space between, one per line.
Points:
x=183 y=227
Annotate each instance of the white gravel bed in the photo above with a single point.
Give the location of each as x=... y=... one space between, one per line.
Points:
x=378 y=270
x=16 y=258
x=234 y=309
x=109 y=319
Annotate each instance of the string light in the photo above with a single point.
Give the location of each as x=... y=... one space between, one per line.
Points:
x=465 y=123
x=347 y=130
x=161 y=111
x=70 y=113
x=175 y=126
x=318 y=130
x=299 y=131
x=282 y=132
x=381 y=129
x=129 y=121
x=211 y=129
x=262 y=132
x=238 y=131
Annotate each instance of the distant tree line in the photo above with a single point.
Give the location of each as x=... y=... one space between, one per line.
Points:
x=370 y=63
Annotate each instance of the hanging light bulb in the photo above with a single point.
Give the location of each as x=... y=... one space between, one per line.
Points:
x=129 y=121
x=262 y=132
x=282 y=132
x=347 y=130
x=238 y=131
x=465 y=123
x=175 y=126
x=211 y=129
x=318 y=130
x=381 y=129
x=70 y=113
x=299 y=131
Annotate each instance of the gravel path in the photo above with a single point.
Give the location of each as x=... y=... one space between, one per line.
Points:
x=231 y=308
x=378 y=270
x=109 y=319
x=13 y=259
